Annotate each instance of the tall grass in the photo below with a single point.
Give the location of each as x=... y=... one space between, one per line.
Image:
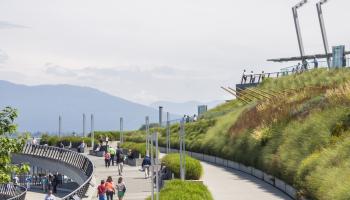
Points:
x=301 y=136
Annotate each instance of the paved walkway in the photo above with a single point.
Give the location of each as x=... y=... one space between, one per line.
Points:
x=137 y=187
x=38 y=194
x=228 y=184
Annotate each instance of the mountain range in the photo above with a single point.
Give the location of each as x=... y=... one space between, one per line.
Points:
x=40 y=106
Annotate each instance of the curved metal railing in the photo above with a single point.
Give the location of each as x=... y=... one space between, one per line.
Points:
x=12 y=192
x=72 y=158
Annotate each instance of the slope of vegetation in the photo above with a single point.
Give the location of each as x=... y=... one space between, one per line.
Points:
x=302 y=135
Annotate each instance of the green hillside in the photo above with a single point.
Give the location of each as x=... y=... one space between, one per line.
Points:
x=302 y=135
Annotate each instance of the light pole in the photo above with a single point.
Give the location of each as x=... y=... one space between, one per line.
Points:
x=92 y=131
x=121 y=136
x=147 y=136
x=160 y=115
x=182 y=150
x=168 y=146
x=297 y=28
x=84 y=119
x=323 y=30
x=59 y=126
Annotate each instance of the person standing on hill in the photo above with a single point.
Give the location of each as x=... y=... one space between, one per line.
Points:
x=107 y=159
x=101 y=191
x=121 y=188
x=110 y=190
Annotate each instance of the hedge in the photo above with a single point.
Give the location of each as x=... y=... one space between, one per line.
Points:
x=55 y=140
x=184 y=190
x=194 y=169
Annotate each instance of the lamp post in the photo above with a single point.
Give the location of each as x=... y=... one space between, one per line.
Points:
x=323 y=30
x=59 y=126
x=121 y=131
x=297 y=28
x=92 y=132
x=84 y=119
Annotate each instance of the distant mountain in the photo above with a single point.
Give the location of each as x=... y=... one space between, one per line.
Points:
x=188 y=108
x=40 y=106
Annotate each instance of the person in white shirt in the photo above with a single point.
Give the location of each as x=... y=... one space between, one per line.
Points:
x=50 y=196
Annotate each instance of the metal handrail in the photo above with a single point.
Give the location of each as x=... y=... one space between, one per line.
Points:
x=13 y=192
x=72 y=158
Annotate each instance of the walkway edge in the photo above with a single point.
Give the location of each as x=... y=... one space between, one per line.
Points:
x=274 y=181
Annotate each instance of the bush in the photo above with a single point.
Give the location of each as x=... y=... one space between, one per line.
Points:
x=184 y=190
x=194 y=169
x=135 y=147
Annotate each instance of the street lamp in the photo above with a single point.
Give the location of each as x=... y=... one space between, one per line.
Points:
x=323 y=30
x=297 y=28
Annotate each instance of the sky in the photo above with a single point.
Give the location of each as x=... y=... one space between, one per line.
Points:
x=153 y=50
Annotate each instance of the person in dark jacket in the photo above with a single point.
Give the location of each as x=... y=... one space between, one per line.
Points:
x=146 y=163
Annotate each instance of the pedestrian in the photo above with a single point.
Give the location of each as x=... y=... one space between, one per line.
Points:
x=101 y=140
x=55 y=182
x=107 y=159
x=110 y=190
x=101 y=191
x=146 y=163
x=50 y=196
x=195 y=118
x=44 y=183
x=120 y=160
x=28 y=181
x=106 y=139
x=16 y=180
x=81 y=147
x=34 y=144
x=121 y=188
x=315 y=63
x=61 y=145
x=111 y=150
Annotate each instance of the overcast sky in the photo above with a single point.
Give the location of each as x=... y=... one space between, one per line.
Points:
x=150 y=50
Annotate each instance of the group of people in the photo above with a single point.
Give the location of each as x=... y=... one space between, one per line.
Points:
x=106 y=190
x=116 y=156
x=188 y=119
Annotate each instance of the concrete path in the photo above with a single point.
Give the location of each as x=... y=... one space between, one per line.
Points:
x=228 y=184
x=137 y=187
x=38 y=194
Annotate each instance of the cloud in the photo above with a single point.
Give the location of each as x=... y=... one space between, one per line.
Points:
x=8 y=25
x=57 y=70
x=3 y=57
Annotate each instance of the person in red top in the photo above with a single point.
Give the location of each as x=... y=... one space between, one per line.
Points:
x=101 y=191
x=107 y=159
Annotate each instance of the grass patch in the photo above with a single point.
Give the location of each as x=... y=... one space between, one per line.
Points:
x=183 y=190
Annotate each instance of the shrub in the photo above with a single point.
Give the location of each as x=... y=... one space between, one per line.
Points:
x=135 y=147
x=176 y=190
x=194 y=168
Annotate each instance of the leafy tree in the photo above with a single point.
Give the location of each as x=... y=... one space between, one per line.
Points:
x=9 y=144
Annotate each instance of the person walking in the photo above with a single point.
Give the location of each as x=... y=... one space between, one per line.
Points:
x=44 y=183
x=121 y=188
x=110 y=190
x=101 y=191
x=112 y=151
x=120 y=160
x=50 y=196
x=146 y=163
x=81 y=147
x=55 y=182
x=107 y=159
